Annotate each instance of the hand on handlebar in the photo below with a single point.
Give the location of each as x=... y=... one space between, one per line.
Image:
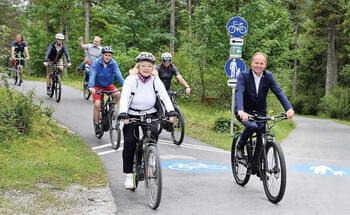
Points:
x=243 y=115
x=290 y=114
x=46 y=63
x=92 y=90
x=69 y=64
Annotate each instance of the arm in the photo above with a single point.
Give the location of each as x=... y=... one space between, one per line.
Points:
x=66 y=52
x=239 y=94
x=48 y=50
x=126 y=94
x=81 y=43
x=27 y=53
x=159 y=86
x=118 y=74
x=13 y=52
x=184 y=83
x=92 y=76
x=276 y=89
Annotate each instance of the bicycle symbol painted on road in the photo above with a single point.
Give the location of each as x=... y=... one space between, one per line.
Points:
x=322 y=170
x=237 y=27
x=194 y=166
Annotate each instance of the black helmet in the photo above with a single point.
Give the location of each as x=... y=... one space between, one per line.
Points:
x=147 y=56
x=107 y=49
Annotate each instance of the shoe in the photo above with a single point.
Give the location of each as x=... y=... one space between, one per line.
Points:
x=239 y=152
x=9 y=74
x=129 y=181
x=97 y=129
x=48 y=91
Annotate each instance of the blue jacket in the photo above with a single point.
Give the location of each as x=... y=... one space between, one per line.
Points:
x=246 y=98
x=102 y=77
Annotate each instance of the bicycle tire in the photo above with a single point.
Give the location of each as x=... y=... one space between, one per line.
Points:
x=160 y=128
x=178 y=131
x=86 y=91
x=137 y=168
x=53 y=83
x=58 y=89
x=15 y=77
x=240 y=171
x=99 y=136
x=114 y=130
x=153 y=173
x=274 y=170
x=19 y=80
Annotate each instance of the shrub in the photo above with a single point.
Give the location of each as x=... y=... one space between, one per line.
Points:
x=336 y=104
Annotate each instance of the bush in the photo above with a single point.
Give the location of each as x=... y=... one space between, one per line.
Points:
x=305 y=104
x=336 y=104
x=17 y=112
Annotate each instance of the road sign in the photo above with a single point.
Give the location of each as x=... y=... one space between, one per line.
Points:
x=321 y=170
x=233 y=67
x=231 y=82
x=236 y=51
x=195 y=166
x=237 y=27
x=236 y=41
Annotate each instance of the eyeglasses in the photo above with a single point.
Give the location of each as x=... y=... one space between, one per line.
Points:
x=167 y=60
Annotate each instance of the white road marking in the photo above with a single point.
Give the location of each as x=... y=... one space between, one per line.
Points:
x=102 y=146
x=175 y=157
x=110 y=151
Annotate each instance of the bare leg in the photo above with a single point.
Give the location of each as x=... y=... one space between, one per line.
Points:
x=97 y=106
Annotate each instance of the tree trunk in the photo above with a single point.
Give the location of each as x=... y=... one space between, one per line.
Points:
x=295 y=67
x=190 y=19
x=332 y=70
x=87 y=20
x=172 y=26
x=203 y=69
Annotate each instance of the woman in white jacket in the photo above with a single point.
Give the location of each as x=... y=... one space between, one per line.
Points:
x=139 y=96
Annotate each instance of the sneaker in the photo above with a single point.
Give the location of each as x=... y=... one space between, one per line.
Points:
x=129 y=181
x=97 y=129
x=240 y=153
x=48 y=91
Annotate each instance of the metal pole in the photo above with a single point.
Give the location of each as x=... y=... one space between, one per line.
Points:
x=232 y=109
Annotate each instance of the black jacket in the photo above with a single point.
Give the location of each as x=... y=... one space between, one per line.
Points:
x=52 y=54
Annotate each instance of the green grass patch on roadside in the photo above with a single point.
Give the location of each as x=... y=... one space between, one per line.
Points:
x=200 y=120
x=51 y=155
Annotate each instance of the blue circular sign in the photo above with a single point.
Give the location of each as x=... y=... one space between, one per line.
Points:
x=237 y=27
x=195 y=166
x=321 y=170
x=234 y=66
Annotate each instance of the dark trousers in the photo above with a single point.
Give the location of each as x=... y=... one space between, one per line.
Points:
x=131 y=134
x=250 y=128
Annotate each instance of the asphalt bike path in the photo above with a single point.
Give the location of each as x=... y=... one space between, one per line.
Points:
x=197 y=177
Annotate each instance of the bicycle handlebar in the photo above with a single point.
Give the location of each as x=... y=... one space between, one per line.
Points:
x=257 y=118
x=19 y=58
x=147 y=120
x=56 y=65
x=106 y=92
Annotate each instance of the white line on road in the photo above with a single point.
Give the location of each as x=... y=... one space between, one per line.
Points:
x=102 y=146
x=190 y=146
x=110 y=151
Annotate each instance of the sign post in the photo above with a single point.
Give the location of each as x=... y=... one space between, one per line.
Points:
x=237 y=28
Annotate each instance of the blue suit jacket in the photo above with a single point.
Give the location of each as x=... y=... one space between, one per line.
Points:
x=246 y=98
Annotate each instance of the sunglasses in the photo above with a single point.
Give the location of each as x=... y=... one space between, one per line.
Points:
x=167 y=61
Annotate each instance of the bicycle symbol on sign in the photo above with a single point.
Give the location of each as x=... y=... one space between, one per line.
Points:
x=237 y=27
x=193 y=166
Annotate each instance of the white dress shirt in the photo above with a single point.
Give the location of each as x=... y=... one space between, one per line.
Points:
x=257 y=82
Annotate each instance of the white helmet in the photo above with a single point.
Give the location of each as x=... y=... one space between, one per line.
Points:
x=59 y=36
x=146 y=56
x=166 y=57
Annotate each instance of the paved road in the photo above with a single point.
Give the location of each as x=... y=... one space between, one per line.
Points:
x=205 y=184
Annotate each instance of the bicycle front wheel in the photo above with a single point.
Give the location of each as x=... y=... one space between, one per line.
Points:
x=274 y=174
x=178 y=131
x=240 y=169
x=15 y=77
x=52 y=86
x=58 y=89
x=153 y=177
x=114 y=130
x=86 y=90
x=19 y=76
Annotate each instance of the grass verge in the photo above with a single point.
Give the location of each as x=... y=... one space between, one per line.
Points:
x=50 y=155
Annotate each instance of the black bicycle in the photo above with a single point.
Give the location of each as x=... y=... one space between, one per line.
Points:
x=108 y=119
x=55 y=84
x=86 y=90
x=17 y=70
x=265 y=159
x=147 y=162
x=177 y=129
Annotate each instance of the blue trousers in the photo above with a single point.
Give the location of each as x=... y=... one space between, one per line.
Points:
x=250 y=128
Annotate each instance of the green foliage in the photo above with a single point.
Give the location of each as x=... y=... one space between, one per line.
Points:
x=336 y=104
x=222 y=125
x=17 y=112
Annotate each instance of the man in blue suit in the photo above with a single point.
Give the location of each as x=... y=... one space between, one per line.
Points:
x=251 y=92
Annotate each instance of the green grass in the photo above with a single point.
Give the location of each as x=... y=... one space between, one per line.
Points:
x=200 y=120
x=52 y=155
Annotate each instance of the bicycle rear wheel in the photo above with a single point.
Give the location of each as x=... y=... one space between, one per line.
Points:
x=178 y=131
x=274 y=174
x=114 y=130
x=240 y=169
x=58 y=89
x=153 y=177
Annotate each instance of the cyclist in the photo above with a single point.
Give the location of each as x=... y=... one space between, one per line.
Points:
x=19 y=46
x=251 y=92
x=103 y=71
x=53 y=55
x=139 y=96
x=167 y=70
x=93 y=51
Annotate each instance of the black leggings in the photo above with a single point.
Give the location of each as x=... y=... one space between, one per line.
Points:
x=131 y=132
